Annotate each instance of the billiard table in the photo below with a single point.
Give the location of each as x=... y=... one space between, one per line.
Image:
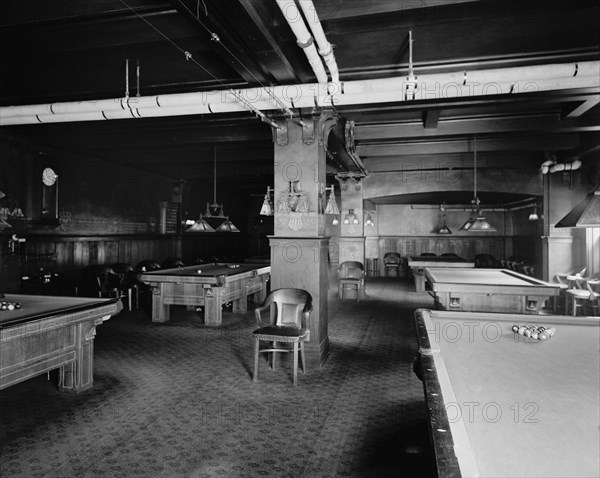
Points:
x=419 y=263
x=502 y=404
x=488 y=290
x=48 y=333
x=210 y=286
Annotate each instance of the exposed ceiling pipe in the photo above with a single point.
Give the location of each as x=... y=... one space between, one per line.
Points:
x=325 y=48
x=436 y=86
x=551 y=165
x=305 y=40
x=565 y=167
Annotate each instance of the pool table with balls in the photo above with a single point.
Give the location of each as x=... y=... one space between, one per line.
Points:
x=209 y=286
x=49 y=332
x=488 y=290
x=419 y=263
x=503 y=404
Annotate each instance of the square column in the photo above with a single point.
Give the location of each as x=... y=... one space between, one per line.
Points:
x=302 y=263
x=299 y=247
x=352 y=237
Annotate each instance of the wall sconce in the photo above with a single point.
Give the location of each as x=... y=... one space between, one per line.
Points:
x=534 y=214
x=332 y=207
x=444 y=229
x=369 y=220
x=292 y=200
x=351 y=218
x=267 y=207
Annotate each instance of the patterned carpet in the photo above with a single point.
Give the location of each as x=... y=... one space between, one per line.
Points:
x=177 y=400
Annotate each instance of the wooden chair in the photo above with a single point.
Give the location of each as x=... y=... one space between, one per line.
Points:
x=593 y=286
x=289 y=322
x=392 y=262
x=577 y=295
x=351 y=276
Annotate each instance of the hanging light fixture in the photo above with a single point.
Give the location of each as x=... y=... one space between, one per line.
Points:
x=477 y=221
x=227 y=226
x=200 y=226
x=213 y=210
x=585 y=214
x=444 y=229
x=369 y=220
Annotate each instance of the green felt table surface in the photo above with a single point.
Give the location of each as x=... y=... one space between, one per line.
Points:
x=482 y=276
x=519 y=406
x=34 y=307
x=208 y=270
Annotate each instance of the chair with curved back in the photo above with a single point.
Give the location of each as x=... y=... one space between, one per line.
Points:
x=485 y=261
x=428 y=254
x=288 y=322
x=129 y=282
x=578 y=294
x=173 y=263
x=392 y=262
x=100 y=280
x=351 y=276
x=145 y=298
x=593 y=286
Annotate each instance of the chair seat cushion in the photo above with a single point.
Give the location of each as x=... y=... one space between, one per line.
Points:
x=280 y=333
x=579 y=293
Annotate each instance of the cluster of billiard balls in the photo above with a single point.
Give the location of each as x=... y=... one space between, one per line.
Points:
x=539 y=333
x=6 y=305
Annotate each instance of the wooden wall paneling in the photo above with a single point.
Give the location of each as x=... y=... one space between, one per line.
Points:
x=134 y=253
x=124 y=253
x=466 y=247
x=112 y=251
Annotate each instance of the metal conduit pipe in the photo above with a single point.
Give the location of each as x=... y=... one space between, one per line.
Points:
x=325 y=48
x=435 y=86
x=305 y=40
x=564 y=167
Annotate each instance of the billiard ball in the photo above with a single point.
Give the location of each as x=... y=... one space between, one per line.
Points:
x=515 y=329
x=543 y=336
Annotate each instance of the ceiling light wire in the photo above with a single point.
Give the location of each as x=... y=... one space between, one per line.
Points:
x=189 y=57
x=272 y=96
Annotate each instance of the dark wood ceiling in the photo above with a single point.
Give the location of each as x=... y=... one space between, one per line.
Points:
x=56 y=51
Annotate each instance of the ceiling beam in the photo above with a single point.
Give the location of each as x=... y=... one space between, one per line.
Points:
x=584 y=107
x=485 y=160
x=530 y=143
x=478 y=125
x=263 y=43
x=456 y=127
x=431 y=118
